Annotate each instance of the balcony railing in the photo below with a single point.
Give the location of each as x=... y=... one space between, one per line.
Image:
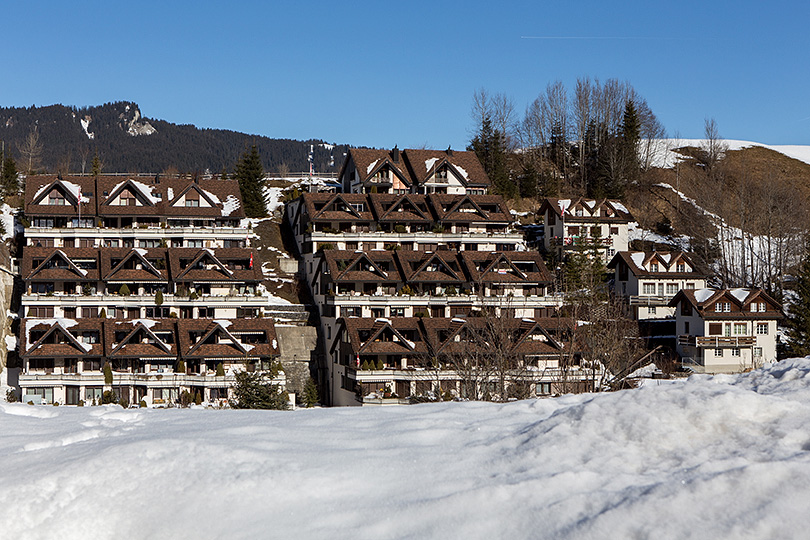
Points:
x=717 y=342
x=571 y=242
x=650 y=300
x=135 y=299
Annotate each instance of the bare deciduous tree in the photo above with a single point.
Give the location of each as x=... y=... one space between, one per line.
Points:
x=31 y=151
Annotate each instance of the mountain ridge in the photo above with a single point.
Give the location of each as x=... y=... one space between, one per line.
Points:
x=128 y=141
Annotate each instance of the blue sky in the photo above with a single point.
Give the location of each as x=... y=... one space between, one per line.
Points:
x=379 y=73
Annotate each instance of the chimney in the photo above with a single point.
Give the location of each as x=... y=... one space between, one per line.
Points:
x=449 y=151
x=395 y=154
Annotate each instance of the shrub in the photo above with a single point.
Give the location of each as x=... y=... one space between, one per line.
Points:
x=124 y=290
x=399 y=229
x=186 y=398
x=11 y=396
x=380 y=366
x=220 y=370
x=193 y=295
x=142 y=404
x=108 y=375
x=108 y=397
x=197 y=398
x=81 y=403
x=159 y=298
x=103 y=313
x=364 y=366
x=181 y=367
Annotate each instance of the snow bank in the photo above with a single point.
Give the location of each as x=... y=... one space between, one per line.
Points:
x=664 y=155
x=711 y=457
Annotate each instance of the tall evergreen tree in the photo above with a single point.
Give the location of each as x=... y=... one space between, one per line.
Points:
x=798 y=319
x=250 y=174
x=489 y=145
x=8 y=179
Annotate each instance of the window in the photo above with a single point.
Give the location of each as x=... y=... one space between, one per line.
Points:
x=652 y=310
x=195 y=243
x=715 y=329
x=672 y=289
x=690 y=285
x=41 y=288
x=150 y=243
x=718 y=353
x=542 y=389
x=722 y=307
x=762 y=329
x=111 y=242
x=686 y=309
x=56 y=199
x=611 y=252
x=681 y=267
x=758 y=307
x=654 y=267
x=89 y=313
x=192 y=202
x=614 y=231
x=397 y=311
x=735 y=352
x=649 y=288
x=739 y=329
x=686 y=327
x=758 y=352
x=40 y=312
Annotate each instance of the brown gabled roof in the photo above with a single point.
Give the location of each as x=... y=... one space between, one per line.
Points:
x=336 y=207
x=484 y=267
x=610 y=210
x=739 y=300
x=484 y=208
x=395 y=327
x=407 y=208
x=353 y=259
x=368 y=161
x=219 y=259
x=71 y=273
x=148 y=259
x=138 y=331
x=665 y=259
x=208 y=328
x=414 y=266
x=37 y=189
x=70 y=329
x=464 y=164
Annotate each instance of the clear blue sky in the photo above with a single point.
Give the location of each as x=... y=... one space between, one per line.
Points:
x=384 y=73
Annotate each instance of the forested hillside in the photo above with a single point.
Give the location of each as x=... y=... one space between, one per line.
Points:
x=65 y=139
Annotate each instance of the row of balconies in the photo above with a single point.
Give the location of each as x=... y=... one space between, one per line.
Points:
x=150 y=231
x=380 y=236
x=717 y=342
x=146 y=299
x=650 y=300
x=571 y=242
x=506 y=301
x=151 y=379
x=425 y=374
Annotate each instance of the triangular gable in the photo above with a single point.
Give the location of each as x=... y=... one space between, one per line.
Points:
x=69 y=194
x=401 y=202
x=436 y=257
x=217 y=328
x=534 y=327
x=456 y=326
x=466 y=200
x=138 y=327
x=63 y=255
x=134 y=253
x=58 y=327
x=501 y=257
x=386 y=326
x=381 y=164
x=145 y=198
x=355 y=262
x=339 y=197
x=196 y=188
x=203 y=253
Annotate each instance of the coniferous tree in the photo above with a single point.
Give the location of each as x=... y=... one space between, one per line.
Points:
x=489 y=145
x=252 y=391
x=250 y=175
x=96 y=166
x=8 y=180
x=310 y=393
x=798 y=319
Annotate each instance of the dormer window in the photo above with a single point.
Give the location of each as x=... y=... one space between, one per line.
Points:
x=722 y=307
x=654 y=267
x=579 y=212
x=681 y=267
x=757 y=307
x=56 y=199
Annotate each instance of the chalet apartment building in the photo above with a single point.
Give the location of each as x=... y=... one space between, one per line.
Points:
x=649 y=280
x=726 y=330
x=404 y=260
x=575 y=224
x=153 y=276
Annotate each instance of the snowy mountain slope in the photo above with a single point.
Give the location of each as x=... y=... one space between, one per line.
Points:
x=721 y=457
x=664 y=155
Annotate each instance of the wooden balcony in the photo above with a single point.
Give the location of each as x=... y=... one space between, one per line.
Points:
x=717 y=342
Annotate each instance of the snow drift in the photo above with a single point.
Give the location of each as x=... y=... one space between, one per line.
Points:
x=710 y=457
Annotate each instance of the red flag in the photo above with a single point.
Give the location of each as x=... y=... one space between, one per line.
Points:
x=251 y=259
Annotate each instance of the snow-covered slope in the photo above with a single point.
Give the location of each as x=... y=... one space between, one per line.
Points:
x=721 y=457
x=664 y=156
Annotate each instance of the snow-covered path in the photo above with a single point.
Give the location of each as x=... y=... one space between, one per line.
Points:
x=721 y=457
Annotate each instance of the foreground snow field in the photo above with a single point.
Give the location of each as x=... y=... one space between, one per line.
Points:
x=712 y=457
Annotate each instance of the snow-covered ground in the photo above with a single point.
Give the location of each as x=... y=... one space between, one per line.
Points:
x=664 y=155
x=711 y=457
